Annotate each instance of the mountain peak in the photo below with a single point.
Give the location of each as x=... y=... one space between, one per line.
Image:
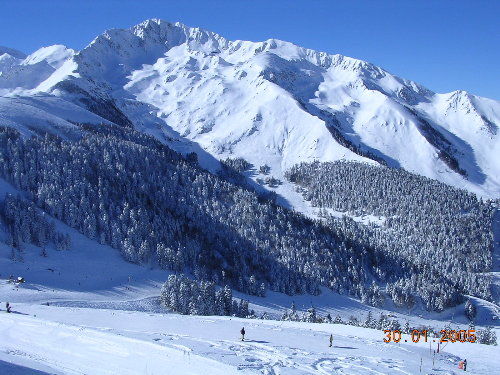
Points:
x=460 y=99
x=54 y=55
x=12 y=52
x=153 y=26
x=269 y=102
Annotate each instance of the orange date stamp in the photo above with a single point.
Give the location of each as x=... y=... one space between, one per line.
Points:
x=424 y=336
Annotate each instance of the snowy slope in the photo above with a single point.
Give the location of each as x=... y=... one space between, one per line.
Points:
x=55 y=56
x=41 y=113
x=12 y=52
x=103 y=317
x=9 y=58
x=21 y=76
x=270 y=102
x=72 y=349
x=7 y=62
x=57 y=340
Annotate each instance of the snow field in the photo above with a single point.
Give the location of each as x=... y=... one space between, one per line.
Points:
x=99 y=341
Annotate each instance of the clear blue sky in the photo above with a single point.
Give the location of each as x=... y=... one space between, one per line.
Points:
x=442 y=44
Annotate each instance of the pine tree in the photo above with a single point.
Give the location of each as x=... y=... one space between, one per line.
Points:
x=488 y=336
x=470 y=310
x=406 y=328
x=310 y=316
x=369 y=322
x=353 y=321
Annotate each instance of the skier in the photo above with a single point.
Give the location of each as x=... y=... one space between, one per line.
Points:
x=7 y=307
x=242 y=334
x=331 y=340
x=465 y=365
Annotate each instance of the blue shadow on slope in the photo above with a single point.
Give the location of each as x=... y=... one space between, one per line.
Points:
x=257 y=341
x=13 y=369
x=344 y=347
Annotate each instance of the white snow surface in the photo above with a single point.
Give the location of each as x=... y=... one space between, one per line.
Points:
x=12 y=52
x=54 y=55
x=59 y=340
x=7 y=62
x=272 y=103
x=45 y=113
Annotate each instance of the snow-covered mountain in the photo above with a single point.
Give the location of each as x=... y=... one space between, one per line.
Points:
x=94 y=220
x=269 y=102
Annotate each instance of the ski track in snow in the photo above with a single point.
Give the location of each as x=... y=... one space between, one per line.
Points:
x=69 y=340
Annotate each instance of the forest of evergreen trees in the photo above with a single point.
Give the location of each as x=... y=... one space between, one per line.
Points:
x=190 y=297
x=28 y=224
x=440 y=236
x=128 y=190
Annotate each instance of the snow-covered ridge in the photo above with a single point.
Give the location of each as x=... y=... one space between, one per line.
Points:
x=271 y=102
x=12 y=52
x=54 y=55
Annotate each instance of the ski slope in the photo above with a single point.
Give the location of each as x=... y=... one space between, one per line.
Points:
x=62 y=340
x=87 y=311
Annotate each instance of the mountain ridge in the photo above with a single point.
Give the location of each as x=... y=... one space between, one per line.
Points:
x=274 y=103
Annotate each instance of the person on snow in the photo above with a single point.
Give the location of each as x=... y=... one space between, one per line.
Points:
x=331 y=340
x=242 y=334
x=465 y=365
x=7 y=307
